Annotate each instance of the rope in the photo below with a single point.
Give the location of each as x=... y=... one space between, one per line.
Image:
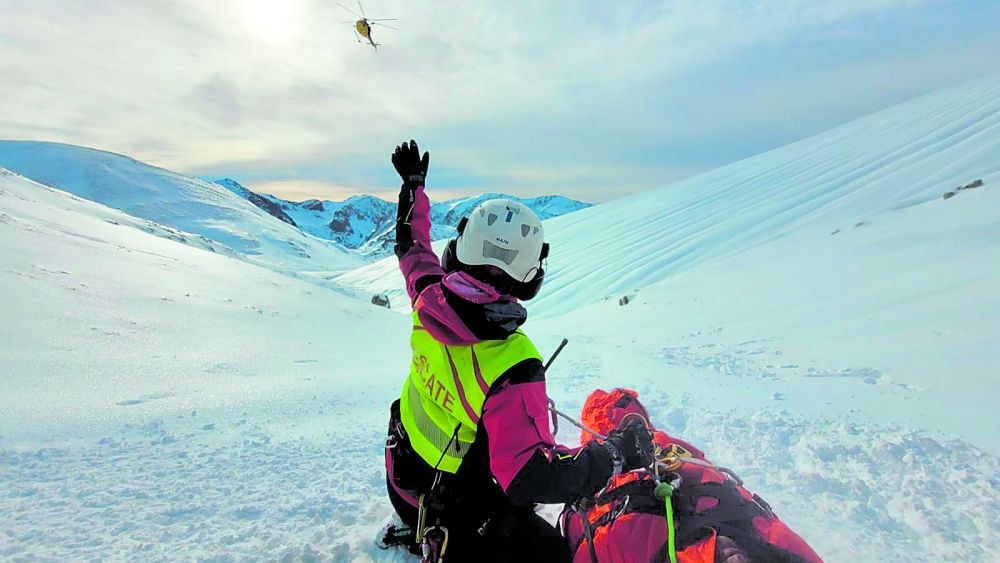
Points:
x=552 y=404
x=571 y=420
x=663 y=492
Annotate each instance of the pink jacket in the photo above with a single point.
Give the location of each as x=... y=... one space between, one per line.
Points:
x=515 y=415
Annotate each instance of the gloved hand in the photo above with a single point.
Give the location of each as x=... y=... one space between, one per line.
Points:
x=632 y=445
x=411 y=168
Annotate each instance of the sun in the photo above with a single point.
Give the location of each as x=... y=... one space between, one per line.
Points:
x=272 y=21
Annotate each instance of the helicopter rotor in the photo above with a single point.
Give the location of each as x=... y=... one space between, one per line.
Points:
x=349 y=10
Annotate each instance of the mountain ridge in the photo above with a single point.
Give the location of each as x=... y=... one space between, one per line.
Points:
x=366 y=223
x=178 y=201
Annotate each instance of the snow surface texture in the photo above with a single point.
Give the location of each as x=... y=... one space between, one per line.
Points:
x=168 y=198
x=163 y=402
x=368 y=223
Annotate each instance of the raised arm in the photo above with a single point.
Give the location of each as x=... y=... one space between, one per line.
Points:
x=420 y=266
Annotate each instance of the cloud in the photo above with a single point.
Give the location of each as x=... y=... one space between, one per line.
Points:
x=218 y=99
x=594 y=98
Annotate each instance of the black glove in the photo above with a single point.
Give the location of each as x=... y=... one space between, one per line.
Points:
x=631 y=446
x=413 y=170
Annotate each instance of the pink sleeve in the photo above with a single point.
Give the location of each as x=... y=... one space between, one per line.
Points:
x=420 y=218
x=420 y=261
x=517 y=422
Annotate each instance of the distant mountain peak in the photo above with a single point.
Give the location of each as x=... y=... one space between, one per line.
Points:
x=366 y=222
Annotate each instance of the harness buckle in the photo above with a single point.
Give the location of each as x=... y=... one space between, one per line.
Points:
x=620 y=509
x=435 y=539
x=421 y=518
x=396 y=435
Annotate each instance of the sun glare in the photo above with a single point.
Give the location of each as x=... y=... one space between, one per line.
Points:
x=272 y=21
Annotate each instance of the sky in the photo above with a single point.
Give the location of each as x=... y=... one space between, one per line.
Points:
x=589 y=99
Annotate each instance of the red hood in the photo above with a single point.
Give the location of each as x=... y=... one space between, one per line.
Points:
x=604 y=411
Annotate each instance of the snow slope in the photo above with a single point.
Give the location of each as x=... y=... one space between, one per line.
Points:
x=901 y=157
x=168 y=198
x=161 y=401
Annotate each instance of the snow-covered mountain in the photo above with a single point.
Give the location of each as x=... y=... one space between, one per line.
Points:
x=351 y=222
x=367 y=223
x=267 y=203
x=167 y=198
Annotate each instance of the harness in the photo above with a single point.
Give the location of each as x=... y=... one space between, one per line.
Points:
x=634 y=497
x=731 y=515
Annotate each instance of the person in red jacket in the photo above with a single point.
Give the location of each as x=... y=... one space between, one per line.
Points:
x=469 y=450
x=716 y=519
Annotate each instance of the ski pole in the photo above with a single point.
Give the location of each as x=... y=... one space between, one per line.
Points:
x=552 y=404
x=555 y=354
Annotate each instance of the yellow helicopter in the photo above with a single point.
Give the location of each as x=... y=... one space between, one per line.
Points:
x=363 y=26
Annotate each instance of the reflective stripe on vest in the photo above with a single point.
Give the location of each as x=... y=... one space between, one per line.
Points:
x=442 y=399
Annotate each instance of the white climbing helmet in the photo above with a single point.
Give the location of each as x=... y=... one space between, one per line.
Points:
x=506 y=234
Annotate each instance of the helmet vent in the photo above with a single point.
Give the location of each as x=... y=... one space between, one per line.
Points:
x=505 y=255
x=525 y=229
x=492 y=219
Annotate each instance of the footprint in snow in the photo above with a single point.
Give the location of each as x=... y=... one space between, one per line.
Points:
x=143 y=399
x=871 y=376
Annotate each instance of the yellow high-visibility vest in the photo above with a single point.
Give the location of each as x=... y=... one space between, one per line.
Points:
x=443 y=397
